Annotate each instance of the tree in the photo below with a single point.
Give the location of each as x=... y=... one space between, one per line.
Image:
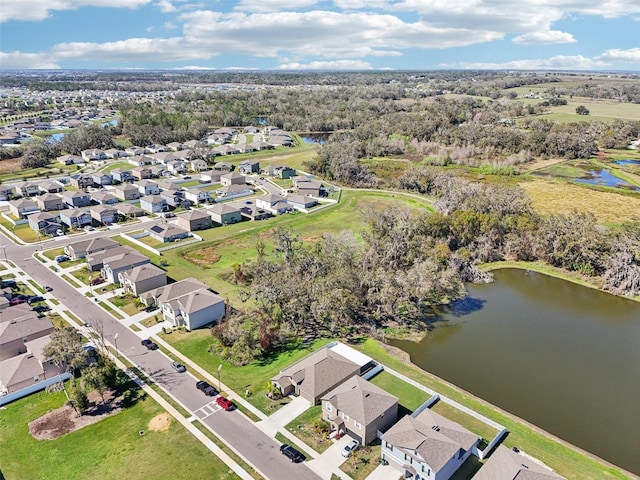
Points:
x=582 y=110
x=66 y=348
x=79 y=399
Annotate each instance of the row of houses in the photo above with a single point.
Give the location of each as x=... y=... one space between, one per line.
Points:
x=187 y=303
x=422 y=445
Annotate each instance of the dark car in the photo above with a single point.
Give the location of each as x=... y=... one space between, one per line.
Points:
x=178 y=367
x=151 y=308
x=205 y=388
x=48 y=288
x=225 y=403
x=149 y=344
x=41 y=308
x=97 y=281
x=35 y=298
x=291 y=453
x=17 y=301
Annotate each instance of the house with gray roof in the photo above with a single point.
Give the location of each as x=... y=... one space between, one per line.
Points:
x=232 y=178
x=360 y=409
x=128 y=210
x=167 y=232
x=44 y=222
x=142 y=278
x=14 y=334
x=505 y=464
x=76 y=199
x=233 y=191
x=51 y=186
x=249 y=166
x=121 y=174
x=6 y=192
x=147 y=187
x=104 y=214
x=102 y=178
x=28 y=369
x=153 y=203
x=300 y=202
x=70 y=159
x=50 y=201
x=116 y=262
x=429 y=446
x=91 y=246
x=75 y=217
x=225 y=214
x=81 y=182
x=315 y=375
x=28 y=189
x=126 y=191
x=23 y=207
x=104 y=198
x=95 y=260
x=193 y=220
x=141 y=172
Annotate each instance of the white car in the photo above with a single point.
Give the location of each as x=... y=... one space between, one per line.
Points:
x=351 y=446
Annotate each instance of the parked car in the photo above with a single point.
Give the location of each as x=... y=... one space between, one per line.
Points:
x=48 y=288
x=151 y=308
x=89 y=228
x=41 y=308
x=10 y=282
x=178 y=367
x=34 y=299
x=59 y=233
x=350 y=447
x=149 y=344
x=291 y=453
x=205 y=388
x=17 y=301
x=225 y=403
x=61 y=258
x=97 y=281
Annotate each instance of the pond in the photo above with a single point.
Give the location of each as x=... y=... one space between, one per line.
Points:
x=110 y=123
x=561 y=356
x=626 y=162
x=56 y=137
x=604 y=177
x=320 y=138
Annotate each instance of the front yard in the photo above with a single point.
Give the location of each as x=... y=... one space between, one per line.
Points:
x=311 y=429
x=363 y=461
x=129 y=304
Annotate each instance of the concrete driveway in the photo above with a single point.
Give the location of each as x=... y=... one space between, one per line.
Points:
x=384 y=472
x=289 y=412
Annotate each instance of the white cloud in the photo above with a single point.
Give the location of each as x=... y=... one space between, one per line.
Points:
x=169 y=26
x=547 y=37
x=165 y=6
x=20 y=60
x=40 y=9
x=558 y=62
x=194 y=67
x=334 y=65
x=631 y=55
x=273 y=5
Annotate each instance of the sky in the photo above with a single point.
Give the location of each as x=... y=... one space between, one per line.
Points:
x=320 y=34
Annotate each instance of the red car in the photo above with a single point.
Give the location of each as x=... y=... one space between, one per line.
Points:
x=225 y=403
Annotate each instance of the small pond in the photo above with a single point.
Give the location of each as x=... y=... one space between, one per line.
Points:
x=626 y=162
x=56 y=137
x=320 y=138
x=110 y=123
x=605 y=178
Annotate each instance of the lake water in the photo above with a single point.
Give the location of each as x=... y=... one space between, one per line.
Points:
x=605 y=178
x=110 y=123
x=319 y=138
x=626 y=162
x=561 y=356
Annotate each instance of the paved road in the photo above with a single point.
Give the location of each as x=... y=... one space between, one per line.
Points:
x=259 y=449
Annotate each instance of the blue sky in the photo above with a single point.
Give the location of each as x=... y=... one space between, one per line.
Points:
x=321 y=34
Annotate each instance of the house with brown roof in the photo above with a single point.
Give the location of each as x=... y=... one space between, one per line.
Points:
x=360 y=409
x=104 y=198
x=225 y=214
x=506 y=464
x=315 y=375
x=142 y=278
x=429 y=446
x=141 y=173
x=189 y=303
x=232 y=178
x=193 y=220
x=50 y=201
x=128 y=210
x=51 y=186
x=104 y=214
x=89 y=247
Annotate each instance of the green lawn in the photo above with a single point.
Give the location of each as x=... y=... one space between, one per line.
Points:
x=563 y=459
x=22 y=231
x=303 y=427
x=109 y=449
x=253 y=377
x=363 y=461
x=409 y=396
x=127 y=303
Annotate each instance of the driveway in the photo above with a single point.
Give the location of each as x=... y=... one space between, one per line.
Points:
x=289 y=412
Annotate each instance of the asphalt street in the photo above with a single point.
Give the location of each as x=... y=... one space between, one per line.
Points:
x=235 y=429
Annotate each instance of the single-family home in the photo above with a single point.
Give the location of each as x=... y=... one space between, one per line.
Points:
x=70 y=159
x=76 y=198
x=174 y=146
x=120 y=261
x=195 y=220
x=252 y=212
x=234 y=191
x=360 y=409
x=226 y=149
x=30 y=368
x=115 y=153
x=104 y=197
x=309 y=187
x=14 y=333
x=280 y=171
x=210 y=176
x=164 y=157
x=142 y=278
x=176 y=166
x=126 y=191
x=83 y=248
x=232 y=178
x=428 y=445
x=155 y=148
x=225 y=214
x=249 y=166
x=121 y=174
x=28 y=189
x=105 y=214
x=6 y=192
x=153 y=203
x=81 y=181
x=315 y=375
x=147 y=187
x=135 y=150
x=223 y=167
x=50 y=201
x=173 y=199
x=506 y=464
x=22 y=207
x=300 y=202
x=192 y=144
x=197 y=195
x=93 y=154
x=167 y=232
x=129 y=211
x=141 y=173
x=274 y=203
x=75 y=217
x=51 y=186
x=139 y=161
x=44 y=223
x=102 y=178
x=198 y=165
x=250 y=129
x=169 y=186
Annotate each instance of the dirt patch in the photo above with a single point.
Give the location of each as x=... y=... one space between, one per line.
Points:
x=63 y=420
x=160 y=423
x=203 y=257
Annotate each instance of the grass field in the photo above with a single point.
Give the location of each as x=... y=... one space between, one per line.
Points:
x=109 y=449
x=563 y=198
x=303 y=427
x=409 y=396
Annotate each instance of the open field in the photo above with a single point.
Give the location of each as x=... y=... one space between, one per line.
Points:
x=410 y=397
x=563 y=198
x=111 y=448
